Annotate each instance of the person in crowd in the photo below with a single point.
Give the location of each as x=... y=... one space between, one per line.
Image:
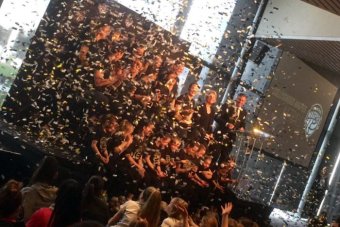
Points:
x=209 y=220
x=41 y=191
x=336 y=222
x=152 y=158
x=10 y=204
x=204 y=118
x=131 y=165
x=94 y=205
x=125 y=135
x=147 y=207
x=188 y=98
x=100 y=68
x=230 y=119
x=87 y=224
x=65 y=211
x=154 y=67
x=175 y=213
x=114 y=205
x=103 y=139
x=204 y=176
x=139 y=222
x=226 y=210
x=248 y=222
x=187 y=110
x=134 y=154
x=223 y=176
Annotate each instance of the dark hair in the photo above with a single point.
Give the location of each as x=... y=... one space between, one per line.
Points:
x=94 y=186
x=10 y=198
x=142 y=124
x=92 y=190
x=192 y=84
x=337 y=220
x=241 y=95
x=46 y=172
x=108 y=118
x=87 y=224
x=67 y=204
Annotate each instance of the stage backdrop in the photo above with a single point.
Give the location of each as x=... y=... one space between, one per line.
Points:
x=295 y=110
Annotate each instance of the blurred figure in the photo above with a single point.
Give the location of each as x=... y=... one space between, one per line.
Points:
x=66 y=210
x=336 y=223
x=139 y=222
x=10 y=204
x=204 y=118
x=40 y=192
x=94 y=206
x=147 y=207
x=230 y=119
x=175 y=213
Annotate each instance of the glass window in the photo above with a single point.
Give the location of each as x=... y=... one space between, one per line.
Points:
x=205 y=26
x=18 y=23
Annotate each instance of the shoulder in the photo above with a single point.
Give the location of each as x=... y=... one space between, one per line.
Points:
x=131 y=204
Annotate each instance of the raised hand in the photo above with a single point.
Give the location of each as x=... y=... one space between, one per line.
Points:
x=227 y=208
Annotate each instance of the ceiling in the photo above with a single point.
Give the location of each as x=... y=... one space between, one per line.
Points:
x=325 y=54
x=322 y=54
x=332 y=6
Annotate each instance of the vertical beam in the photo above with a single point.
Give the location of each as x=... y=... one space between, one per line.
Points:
x=284 y=164
x=181 y=17
x=246 y=45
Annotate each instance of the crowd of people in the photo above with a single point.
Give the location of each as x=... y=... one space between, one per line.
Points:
x=138 y=127
x=140 y=136
x=138 y=132
x=42 y=203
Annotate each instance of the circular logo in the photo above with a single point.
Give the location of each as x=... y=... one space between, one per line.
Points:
x=313 y=119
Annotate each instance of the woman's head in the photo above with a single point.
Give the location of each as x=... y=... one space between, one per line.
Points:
x=10 y=199
x=47 y=171
x=172 y=208
x=110 y=123
x=211 y=97
x=209 y=220
x=127 y=127
x=151 y=205
x=67 y=204
x=94 y=187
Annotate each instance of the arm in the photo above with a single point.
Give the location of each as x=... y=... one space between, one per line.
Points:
x=116 y=217
x=207 y=174
x=124 y=145
x=138 y=165
x=104 y=158
x=179 y=168
x=149 y=163
x=225 y=214
x=132 y=161
x=218 y=186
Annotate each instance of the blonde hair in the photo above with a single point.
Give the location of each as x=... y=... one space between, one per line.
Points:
x=174 y=212
x=151 y=206
x=139 y=222
x=125 y=124
x=209 y=220
x=212 y=92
